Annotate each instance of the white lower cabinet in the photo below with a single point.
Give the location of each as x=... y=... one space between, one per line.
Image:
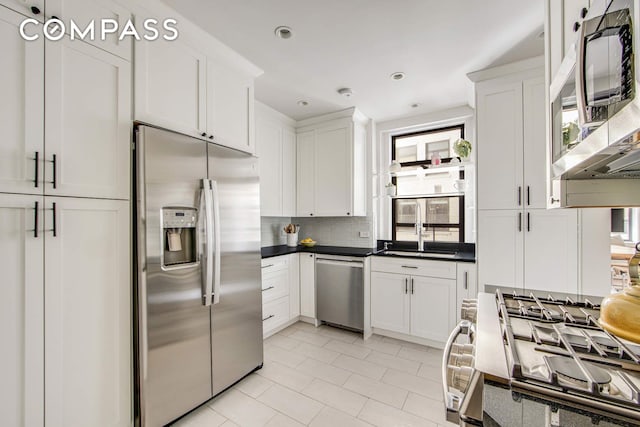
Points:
x=467 y=278
x=422 y=306
x=73 y=277
x=308 y=285
x=280 y=292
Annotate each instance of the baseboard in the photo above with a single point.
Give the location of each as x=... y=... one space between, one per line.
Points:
x=277 y=329
x=409 y=338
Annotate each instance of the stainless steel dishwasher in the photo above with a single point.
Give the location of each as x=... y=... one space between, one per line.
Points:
x=340 y=291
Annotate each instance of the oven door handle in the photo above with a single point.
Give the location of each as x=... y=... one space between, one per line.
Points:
x=452 y=401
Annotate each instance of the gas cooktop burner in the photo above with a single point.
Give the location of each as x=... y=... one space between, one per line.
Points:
x=568 y=369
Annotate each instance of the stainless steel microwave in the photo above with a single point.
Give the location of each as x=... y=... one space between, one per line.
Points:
x=595 y=113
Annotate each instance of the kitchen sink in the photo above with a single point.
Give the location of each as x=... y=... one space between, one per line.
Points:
x=445 y=255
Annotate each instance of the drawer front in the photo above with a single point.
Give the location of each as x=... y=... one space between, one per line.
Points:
x=414 y=267
x=276 y=263
x=275 y=285
x=275 y=313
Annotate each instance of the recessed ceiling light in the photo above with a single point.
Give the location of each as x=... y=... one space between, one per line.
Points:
x=284 y=32
x=346 y=92
x=416 y=105
x=397 y=76
x=303 y=103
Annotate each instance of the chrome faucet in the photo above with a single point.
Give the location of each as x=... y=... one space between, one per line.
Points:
x=386 y=246
x=419 y=227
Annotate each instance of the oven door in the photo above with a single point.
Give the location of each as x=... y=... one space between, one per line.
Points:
x=461 y=383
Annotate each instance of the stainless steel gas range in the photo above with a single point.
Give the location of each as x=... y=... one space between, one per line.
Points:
x=539 y=359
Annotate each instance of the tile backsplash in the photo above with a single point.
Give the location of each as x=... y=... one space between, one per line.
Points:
x=329 y=231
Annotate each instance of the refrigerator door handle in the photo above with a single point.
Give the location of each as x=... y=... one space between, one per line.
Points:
x=216 y=242
x=207 y=284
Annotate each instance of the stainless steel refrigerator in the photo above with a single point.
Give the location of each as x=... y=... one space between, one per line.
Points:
x=198 y=292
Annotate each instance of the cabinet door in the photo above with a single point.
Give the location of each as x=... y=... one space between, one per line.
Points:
x=535 y=144
x=31 y=8
x=467 y=284
x=22 y=107
x=294 y=285
x=333 y=172
x=433 y=305
x=21 y=311
x=270 y=153
x=551 y=250
x=230 y=107
x=288 y=172
x=82 y=12
x=308 y=285
x=499 y=110
x=87 y=313
x=390 y=300
x=555 y=35
x=170 y=86
x=500 y=248
x=88 y=125
x=306 y=142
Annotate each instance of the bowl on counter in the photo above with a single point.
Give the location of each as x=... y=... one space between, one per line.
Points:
x=308 y=244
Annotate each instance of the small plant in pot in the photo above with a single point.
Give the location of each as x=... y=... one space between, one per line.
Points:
x=462 y=148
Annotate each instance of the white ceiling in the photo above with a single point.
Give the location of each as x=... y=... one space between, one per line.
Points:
x=359 y=43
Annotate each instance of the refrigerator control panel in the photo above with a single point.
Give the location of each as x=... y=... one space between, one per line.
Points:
x=179 y=217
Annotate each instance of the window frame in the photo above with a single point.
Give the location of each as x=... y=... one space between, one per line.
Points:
x=461 y=203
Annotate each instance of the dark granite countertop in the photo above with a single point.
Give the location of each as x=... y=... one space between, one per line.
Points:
x=464 y=252
x=271 y=251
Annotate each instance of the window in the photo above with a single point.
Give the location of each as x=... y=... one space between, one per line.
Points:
x=440 y=204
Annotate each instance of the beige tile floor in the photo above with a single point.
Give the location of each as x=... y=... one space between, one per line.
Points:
x=329 y=377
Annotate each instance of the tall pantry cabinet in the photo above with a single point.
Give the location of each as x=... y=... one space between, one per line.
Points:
x=64 y=226
x=520 y=243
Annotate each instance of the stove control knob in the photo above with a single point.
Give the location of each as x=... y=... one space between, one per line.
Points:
x=462 y=348
x=459 y=377
x=461 y=360
x=469 y=312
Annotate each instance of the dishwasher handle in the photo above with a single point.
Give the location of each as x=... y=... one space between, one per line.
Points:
x=341 y=263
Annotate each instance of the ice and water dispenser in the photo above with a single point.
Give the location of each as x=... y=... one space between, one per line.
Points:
x=179 y=228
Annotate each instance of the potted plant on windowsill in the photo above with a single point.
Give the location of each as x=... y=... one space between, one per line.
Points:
x=462 y=148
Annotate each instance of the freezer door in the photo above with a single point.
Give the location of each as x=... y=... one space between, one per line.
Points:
x=236 y=314
x=174 y=339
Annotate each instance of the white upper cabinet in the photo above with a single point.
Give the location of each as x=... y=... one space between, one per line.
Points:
x=82 y=12
x=276 y=149
x=230 y=107
x=21 y=311
x=572 y=15
x=512 y=140
x=193 y=91
x=331 y=165
x=170 y=86
x=90 y=140
x=22 y=108
x=30 y=8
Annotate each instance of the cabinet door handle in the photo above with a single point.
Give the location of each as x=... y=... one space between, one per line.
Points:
x=466 y=280
x=583 y=12
x=211 y=137
x=268 y=317
x=412 y=287
x=554 y=200
x=55 y=228
x=519 y=221
x=35 y=220
x=203 y=134
x=268 y=289
x=519 y=195
x=410 y=266
x=406 y=285
x=576 y=27
x=528 y=196
x=528 y=221
x=36 y=160
x=35 y=10
x=54 y=164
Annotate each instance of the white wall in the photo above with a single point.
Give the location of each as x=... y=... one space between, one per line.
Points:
x=381 y=204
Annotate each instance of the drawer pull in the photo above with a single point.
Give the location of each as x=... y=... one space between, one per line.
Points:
x=267 y=266
x=410 y=266
x=269 y=288
x=268 y=317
